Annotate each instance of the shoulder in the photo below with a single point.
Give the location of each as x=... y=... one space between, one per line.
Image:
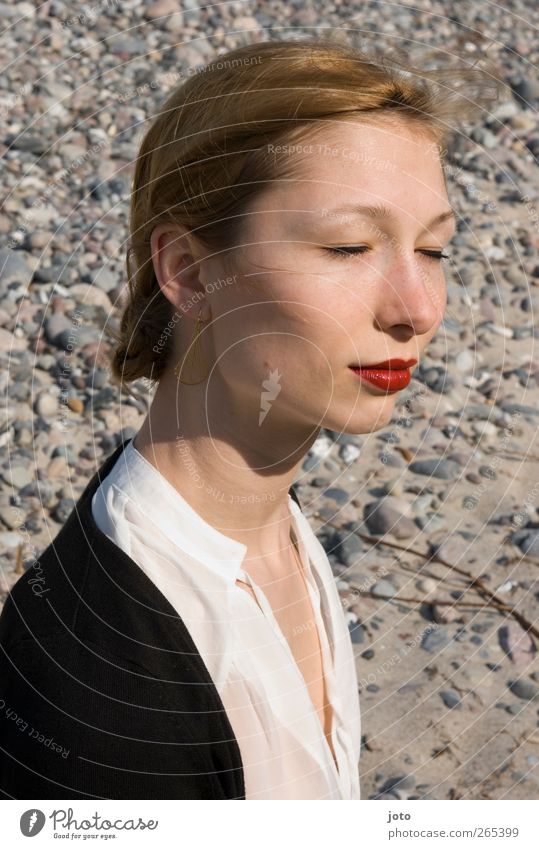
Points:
x=78 y=721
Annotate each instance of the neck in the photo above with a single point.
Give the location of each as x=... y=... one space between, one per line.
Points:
x=234 y=473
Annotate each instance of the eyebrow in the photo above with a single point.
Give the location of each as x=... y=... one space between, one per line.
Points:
x=380 y=211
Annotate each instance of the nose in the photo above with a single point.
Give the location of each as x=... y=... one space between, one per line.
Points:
x=412 y=297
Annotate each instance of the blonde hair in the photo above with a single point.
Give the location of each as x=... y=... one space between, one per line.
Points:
x=205 y=156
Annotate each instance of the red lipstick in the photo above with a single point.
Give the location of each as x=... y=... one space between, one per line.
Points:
x=391 y=375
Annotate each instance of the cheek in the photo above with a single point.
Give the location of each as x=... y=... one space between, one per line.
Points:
x=441 y=299
x=294 y=349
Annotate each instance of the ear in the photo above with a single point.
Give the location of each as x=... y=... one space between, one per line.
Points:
x=176 y=261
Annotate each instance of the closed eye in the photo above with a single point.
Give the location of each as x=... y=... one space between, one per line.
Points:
x=355 y=250
x=347 y=250
x=436 y=255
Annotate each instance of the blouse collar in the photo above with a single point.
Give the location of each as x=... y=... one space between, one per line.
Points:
x=161 y=502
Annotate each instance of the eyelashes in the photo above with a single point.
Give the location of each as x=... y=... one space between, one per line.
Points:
x=355 y=250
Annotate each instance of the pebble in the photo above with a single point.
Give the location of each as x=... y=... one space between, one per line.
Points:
x=349 y=453
x=384 y=517
x=76 y=405
x=357 y=633
x=321 y=447
x=383 y=589
x=398 y=782
x=530 y=544
x=9 y=516
x=46 y=405
x=8 y=539
x=436 y=467
x=426 y=585
x=435 y=641
x=57 y=468
x=450 y=698
x=18 y=476
x=465 y=360
x=63 y=509
x=524 y=689
x=160 y=8
x=341 y=496
x=14 y=268
x=57 y=325
x=453 y=550
x=347 y=547
x=102 y=278
x=444 y=613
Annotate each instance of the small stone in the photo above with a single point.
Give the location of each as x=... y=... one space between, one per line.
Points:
x=76 y=405
x=9 y=342
x=384 y=589
x=13 y=269
x=56 y=326
x=321 y=447
x=349 y=453
x=529 y=544
x=57 y=468
x=526 y=91
x=398 y=782
x=65 y=451
x=8 y=539
x=524 y=689
x=339 y=495
x=436 y=640
x=347 y=547
x=357 y=633
x=9 y=517
x=450 y=698
x=426 y=585
x=516 y=643
x=160 y=8
x=91 y=296
x=385 y=517
x=63 y=509
x=443 y=614
x=103 y=278
x=436 y=468
x=465 y=360
x=452 y=549
x=18 y=476
x=512 y=407
x=47 y=405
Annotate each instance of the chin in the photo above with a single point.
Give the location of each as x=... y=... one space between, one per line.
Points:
x=362 y=419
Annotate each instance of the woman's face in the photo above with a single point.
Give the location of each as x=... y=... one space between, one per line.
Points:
x=298 y=314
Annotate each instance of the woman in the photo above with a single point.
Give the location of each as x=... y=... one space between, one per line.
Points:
x=289 y=220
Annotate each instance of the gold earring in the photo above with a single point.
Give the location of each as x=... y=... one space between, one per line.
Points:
x=189 y=369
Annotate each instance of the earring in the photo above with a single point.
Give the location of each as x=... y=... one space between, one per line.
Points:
x=189 y=369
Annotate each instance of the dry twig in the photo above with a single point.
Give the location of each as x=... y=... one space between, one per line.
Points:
x=474 y=582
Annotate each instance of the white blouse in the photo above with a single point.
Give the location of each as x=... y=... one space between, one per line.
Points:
x=284 y=752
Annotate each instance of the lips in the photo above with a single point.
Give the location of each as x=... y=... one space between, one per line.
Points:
x=391 y=375
x=392 y=364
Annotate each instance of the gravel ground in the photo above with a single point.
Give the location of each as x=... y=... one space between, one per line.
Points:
x=431 y=524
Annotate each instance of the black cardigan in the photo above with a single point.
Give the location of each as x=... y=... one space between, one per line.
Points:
x=103 y=693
